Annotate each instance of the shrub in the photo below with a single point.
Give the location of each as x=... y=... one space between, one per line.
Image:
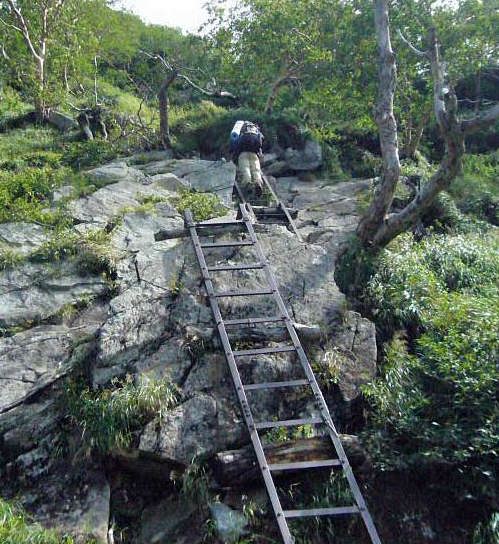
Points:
x=476 y=190
x=17 y=528
x=108 y=417
x=80 y=155
x=25 y=195
x=435 y=398
x=202 y=205
x=206 y=127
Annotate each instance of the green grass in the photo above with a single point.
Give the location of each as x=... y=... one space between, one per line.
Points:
x=107 y=418
x=17 y=528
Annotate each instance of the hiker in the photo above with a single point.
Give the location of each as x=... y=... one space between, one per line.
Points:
x=246 y=146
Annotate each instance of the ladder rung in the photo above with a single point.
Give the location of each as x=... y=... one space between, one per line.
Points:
x=243 y=293
x=226 y=244
x=275 y=385
x=218 y=223
x=305 y=464
x=262 y=351
x=249 y=266
x=288 y=423
x=254 y=320
x=338 y=511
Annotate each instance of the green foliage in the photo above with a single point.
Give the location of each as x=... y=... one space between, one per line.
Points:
x=24 y=195
x=91 y=252
x=11 y=104
x=19 y=143
x=195 y=483
x=206 y=127
x=476 y=190
x=435 y=397
x=9 y=258
x=487 y=532
x=107 y=418
x=202 y=205
x=81 y=155
x=17 y=528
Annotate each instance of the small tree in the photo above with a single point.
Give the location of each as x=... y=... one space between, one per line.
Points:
x=173 y=72
x=378 y=227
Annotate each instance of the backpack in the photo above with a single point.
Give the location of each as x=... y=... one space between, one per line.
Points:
x=250 y=138
x=234 y=135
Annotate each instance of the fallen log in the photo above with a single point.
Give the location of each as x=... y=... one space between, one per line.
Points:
x=237 y=467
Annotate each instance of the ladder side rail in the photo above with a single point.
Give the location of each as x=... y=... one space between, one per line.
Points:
x=283 y=208
x=315 y=388
x=248 y=417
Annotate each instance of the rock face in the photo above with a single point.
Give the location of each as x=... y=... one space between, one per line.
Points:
x=156 y=323
x=23 y=238
x=34 y=292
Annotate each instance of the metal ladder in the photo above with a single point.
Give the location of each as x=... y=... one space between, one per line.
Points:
x=280 y=210
x=282 y=516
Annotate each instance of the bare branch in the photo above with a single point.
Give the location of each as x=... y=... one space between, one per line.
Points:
x=163 y=61
x=481 y=121
x=4 y=53
x=9 y=25
x=205 y=91
x=411 y=47
x=23 y=28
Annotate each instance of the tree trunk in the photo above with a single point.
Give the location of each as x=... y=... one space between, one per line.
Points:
x=164 y=127
x=416 y=135
x=387 y=125
x=84 y=123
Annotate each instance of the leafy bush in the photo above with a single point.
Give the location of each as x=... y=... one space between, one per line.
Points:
x=476 y=190
x=108 y=417
x=435 y=398
x=16 y=528
x=80 y=155
x=202 y=205
x=11 y=104
x=24 y=195
x=411 y=277
x=206 y=127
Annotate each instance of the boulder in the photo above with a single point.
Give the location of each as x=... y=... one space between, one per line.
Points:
x=174 y=519
x=308 y=158
x=108 y=203
x=355 y=349
x=202 y=425
x=64 y=192
x=115 y=172
x=204 y=176
x=229 y=524
x=22 y=237
x=61 y=121
x=34 y=292
x=30 y=360
x=277 y=168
